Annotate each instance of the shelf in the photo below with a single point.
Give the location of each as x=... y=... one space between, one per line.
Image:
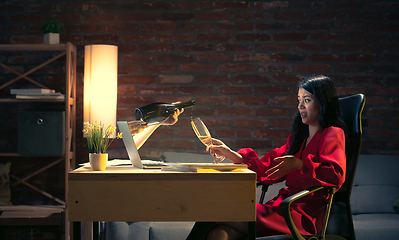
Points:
x=42 y=215
x=37 y=208
x=14 y=154
x=11 y=100
x=67 y=51
x=32 y=47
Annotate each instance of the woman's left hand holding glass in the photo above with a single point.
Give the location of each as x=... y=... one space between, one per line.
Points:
x=287 y=164
x=220 y=149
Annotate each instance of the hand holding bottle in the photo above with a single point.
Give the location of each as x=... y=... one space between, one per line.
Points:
x=156 y=113
x=172 y=119
x=136 y=127
x=149 y=118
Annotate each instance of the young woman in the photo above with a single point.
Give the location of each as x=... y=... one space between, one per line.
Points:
x=314 y=155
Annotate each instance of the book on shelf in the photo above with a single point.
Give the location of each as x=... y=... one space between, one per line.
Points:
x=40 y=96
x=31 y=90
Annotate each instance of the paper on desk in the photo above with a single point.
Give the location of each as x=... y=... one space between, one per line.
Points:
x=114 y=162
x=126 y=162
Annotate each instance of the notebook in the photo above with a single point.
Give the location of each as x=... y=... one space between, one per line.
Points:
x=132 y=150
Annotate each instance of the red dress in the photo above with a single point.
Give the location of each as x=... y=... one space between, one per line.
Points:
x=324 y=164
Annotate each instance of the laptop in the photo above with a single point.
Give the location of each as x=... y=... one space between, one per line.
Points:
x=131 y=149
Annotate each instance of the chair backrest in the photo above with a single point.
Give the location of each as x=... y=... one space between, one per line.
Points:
x=352 y=108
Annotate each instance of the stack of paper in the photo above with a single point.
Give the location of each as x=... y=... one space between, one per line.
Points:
x=36 y=93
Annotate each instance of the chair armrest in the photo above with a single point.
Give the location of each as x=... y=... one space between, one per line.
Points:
x=285 y=208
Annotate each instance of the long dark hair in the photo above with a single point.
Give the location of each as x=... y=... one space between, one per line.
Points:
x=324 y=90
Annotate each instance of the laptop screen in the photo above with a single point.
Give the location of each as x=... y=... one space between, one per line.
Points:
x=130 y=146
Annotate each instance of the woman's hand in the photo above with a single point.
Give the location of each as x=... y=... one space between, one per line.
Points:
x=219 y=148
x=287 y=164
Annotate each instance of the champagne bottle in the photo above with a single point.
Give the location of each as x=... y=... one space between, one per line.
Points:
x=157 y=112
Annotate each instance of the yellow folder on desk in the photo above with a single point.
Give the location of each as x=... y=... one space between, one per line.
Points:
x=206 y=167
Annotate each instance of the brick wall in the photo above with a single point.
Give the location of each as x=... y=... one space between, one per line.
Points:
x=240 y=60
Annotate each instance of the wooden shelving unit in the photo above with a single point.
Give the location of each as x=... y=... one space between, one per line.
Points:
x=69 y=51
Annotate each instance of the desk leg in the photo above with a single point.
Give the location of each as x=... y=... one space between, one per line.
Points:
x=96 y=230
x=77 y=230
x=251 y=231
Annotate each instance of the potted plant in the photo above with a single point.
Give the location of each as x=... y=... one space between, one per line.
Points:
x=98 y=140
x=51 y=29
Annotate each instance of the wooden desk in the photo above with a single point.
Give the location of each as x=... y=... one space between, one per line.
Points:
x=138 y=195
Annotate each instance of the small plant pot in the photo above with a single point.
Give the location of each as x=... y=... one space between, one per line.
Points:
x=98 y=161
x=51 y=38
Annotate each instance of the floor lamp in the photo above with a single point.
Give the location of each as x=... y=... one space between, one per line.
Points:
x=100 y=84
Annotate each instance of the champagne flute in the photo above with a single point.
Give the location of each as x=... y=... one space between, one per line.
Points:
x=204 y=136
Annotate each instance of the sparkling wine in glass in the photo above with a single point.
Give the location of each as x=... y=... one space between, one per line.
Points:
x=204 y=136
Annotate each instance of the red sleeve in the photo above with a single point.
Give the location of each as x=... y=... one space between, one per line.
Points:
x=329 y=167
x=261 y=165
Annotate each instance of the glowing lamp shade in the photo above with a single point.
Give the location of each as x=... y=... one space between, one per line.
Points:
x=100 y=84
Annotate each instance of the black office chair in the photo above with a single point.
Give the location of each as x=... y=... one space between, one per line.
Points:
x=352 y=108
